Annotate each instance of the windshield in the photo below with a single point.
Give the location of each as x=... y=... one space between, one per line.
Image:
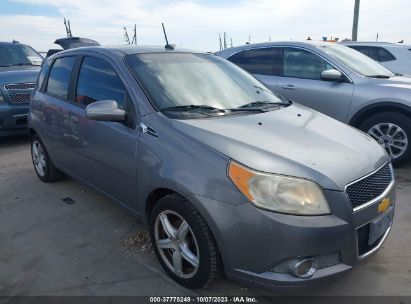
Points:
x=18 y=55
x=356 y=61
x=178 y=80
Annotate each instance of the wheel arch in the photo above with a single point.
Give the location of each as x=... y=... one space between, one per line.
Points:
x=376 y=108
x=32 y=132
x=153 y=197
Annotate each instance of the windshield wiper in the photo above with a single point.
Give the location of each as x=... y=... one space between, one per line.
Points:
x=255 y=104
x=379 y=76
x=192 y=107
x=209 y=109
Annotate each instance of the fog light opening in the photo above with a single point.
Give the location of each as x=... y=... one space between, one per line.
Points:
x=303 y=268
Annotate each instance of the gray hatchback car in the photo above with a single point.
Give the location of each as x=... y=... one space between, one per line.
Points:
x=337 y=81
x=229 y=177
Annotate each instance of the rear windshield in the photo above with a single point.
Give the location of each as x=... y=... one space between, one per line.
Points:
x=18 y=55
x=181 y=79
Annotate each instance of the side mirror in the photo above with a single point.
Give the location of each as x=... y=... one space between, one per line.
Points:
x=105 y=110
x=332 y=75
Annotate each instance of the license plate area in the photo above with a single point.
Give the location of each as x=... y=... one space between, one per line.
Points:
x=379 y=226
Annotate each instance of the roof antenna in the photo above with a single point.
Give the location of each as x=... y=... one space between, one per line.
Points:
x=167 y=46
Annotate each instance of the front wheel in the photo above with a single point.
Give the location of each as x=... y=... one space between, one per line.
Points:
x=392 y=131
x=183 y=242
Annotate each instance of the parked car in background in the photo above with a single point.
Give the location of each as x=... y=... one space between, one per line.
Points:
x=337 y=81
x=394 y=56
x=19 y=67
x=214 y=162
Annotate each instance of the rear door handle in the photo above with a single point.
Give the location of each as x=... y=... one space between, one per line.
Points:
x=289 y=87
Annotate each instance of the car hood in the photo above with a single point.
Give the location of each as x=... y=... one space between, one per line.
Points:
x=19 y=75
x=294 y=141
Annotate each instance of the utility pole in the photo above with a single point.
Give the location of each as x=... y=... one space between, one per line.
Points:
x=355 y=21
x=225 y=40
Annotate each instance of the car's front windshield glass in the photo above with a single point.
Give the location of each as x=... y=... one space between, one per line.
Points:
x=356 y=61
x=178 y=80
x=18 y=55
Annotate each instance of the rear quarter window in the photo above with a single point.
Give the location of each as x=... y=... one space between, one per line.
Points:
x=384 y=55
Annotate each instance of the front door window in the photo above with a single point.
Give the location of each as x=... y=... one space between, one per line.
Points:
x=299 y=63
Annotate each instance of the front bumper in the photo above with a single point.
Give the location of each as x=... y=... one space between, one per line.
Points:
x=13 y=119
x=253 y=241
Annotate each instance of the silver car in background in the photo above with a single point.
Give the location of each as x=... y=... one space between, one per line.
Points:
x=337 y=81
x=394 y=56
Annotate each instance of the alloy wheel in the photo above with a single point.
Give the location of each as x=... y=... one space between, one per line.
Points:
x=177 y=244
x=39 y=158
x=391 y=136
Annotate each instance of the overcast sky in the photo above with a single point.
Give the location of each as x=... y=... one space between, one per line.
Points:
x=196 y=24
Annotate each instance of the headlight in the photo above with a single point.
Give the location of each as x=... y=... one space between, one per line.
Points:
x=279 y=193
x=1 y=97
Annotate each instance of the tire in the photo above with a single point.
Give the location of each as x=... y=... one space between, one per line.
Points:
x=197 y=238
x=392 y=131
x=42 y=163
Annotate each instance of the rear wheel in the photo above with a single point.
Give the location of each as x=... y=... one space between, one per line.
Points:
x=43 y=166
x=392 y=131
x=183 y=242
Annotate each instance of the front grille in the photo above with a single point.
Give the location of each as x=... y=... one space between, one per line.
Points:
x=370 y=187
x=363 y=234
x=19 y=86
x=321 y=261
x=20 y=98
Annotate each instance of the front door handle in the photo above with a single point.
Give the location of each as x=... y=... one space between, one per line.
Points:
x=289 y=87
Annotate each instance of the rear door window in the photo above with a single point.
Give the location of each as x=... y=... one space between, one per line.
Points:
x=59 y=78
x=98 y=81
x=263 y=61
x=299 y=63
